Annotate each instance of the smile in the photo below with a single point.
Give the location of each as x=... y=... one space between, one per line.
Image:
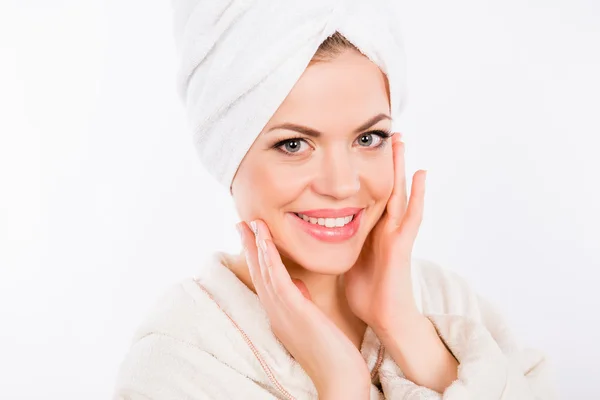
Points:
x=329 y=225
x=328 y=222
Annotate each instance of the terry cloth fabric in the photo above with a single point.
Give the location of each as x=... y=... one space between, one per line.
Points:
x=241 y=58
x=209 y=338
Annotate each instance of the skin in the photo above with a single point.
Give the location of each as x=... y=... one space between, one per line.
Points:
x=364 y=280
x=330 y=359
x=334 y=98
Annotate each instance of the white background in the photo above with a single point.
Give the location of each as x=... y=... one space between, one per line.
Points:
x=103 y=203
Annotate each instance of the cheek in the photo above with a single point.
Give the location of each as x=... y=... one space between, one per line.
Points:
x=262 y=190
x=378 y=177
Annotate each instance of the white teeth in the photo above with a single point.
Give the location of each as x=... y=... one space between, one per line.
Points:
x=328 y=222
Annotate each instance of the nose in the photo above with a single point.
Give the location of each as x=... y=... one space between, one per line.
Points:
x=338 y=177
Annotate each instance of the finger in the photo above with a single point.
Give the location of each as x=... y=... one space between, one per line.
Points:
x=414 y=212
x=260 y=228
x=280 y=283
x=283 y=289
x=396 y=205
x=251 y=253
x=265 y=265
x=264 y=262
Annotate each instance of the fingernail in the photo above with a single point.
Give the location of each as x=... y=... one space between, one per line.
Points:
x=254 y=227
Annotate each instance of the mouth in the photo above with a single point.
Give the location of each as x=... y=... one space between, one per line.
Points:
x=329 y=225
x=328 y=222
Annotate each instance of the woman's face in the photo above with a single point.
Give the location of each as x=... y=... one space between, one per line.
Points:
x=322 y=188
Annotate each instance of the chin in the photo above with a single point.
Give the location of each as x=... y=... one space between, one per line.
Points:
x=323 y=260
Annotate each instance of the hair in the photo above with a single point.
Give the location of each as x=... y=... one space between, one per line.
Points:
x=332 y=47
x=335 y=45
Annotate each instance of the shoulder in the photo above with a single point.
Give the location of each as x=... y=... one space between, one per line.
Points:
x=454 y=305
x=186 y=310
x=181 y=311
x=166 y=344
x=187 y=342
x=443 y=291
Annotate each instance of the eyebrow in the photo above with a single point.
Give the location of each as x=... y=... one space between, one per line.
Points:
x=315 y=133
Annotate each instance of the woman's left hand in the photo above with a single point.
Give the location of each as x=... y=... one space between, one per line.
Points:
x=379 y=286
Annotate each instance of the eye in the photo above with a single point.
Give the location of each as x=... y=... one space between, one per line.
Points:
x=292 y=146
x=372 y=139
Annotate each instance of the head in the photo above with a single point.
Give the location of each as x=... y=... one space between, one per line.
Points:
x=324 y=155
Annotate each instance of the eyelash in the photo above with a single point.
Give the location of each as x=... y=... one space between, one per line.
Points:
x=384 y=135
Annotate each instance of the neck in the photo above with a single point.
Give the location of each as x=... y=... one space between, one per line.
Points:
x=325 y=290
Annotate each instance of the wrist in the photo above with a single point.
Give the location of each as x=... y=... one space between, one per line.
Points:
x=407 y=325
x=421 y=354
x=346 y=388
x=343 y=391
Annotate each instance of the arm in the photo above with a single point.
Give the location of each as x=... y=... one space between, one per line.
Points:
x=491 y=365
x=419 y=351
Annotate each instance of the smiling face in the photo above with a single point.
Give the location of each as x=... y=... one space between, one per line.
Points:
x=322 y=188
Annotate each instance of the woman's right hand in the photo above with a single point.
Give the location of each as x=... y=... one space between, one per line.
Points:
x=330 y=359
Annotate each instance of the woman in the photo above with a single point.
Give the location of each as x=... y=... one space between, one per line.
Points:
x=325 y=300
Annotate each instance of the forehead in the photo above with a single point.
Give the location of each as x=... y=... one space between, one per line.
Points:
x=339 y=94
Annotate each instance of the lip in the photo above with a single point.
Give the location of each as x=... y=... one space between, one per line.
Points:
x=330 y=235
x=331 y=212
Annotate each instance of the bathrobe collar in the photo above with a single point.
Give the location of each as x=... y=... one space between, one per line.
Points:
x=248 y=316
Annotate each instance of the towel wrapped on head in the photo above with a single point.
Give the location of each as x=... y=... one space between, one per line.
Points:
x=241 y=58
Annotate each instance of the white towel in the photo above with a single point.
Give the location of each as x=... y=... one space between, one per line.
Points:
x=241 y=58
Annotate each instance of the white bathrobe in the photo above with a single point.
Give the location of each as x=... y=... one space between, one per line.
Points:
x=209 y=338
